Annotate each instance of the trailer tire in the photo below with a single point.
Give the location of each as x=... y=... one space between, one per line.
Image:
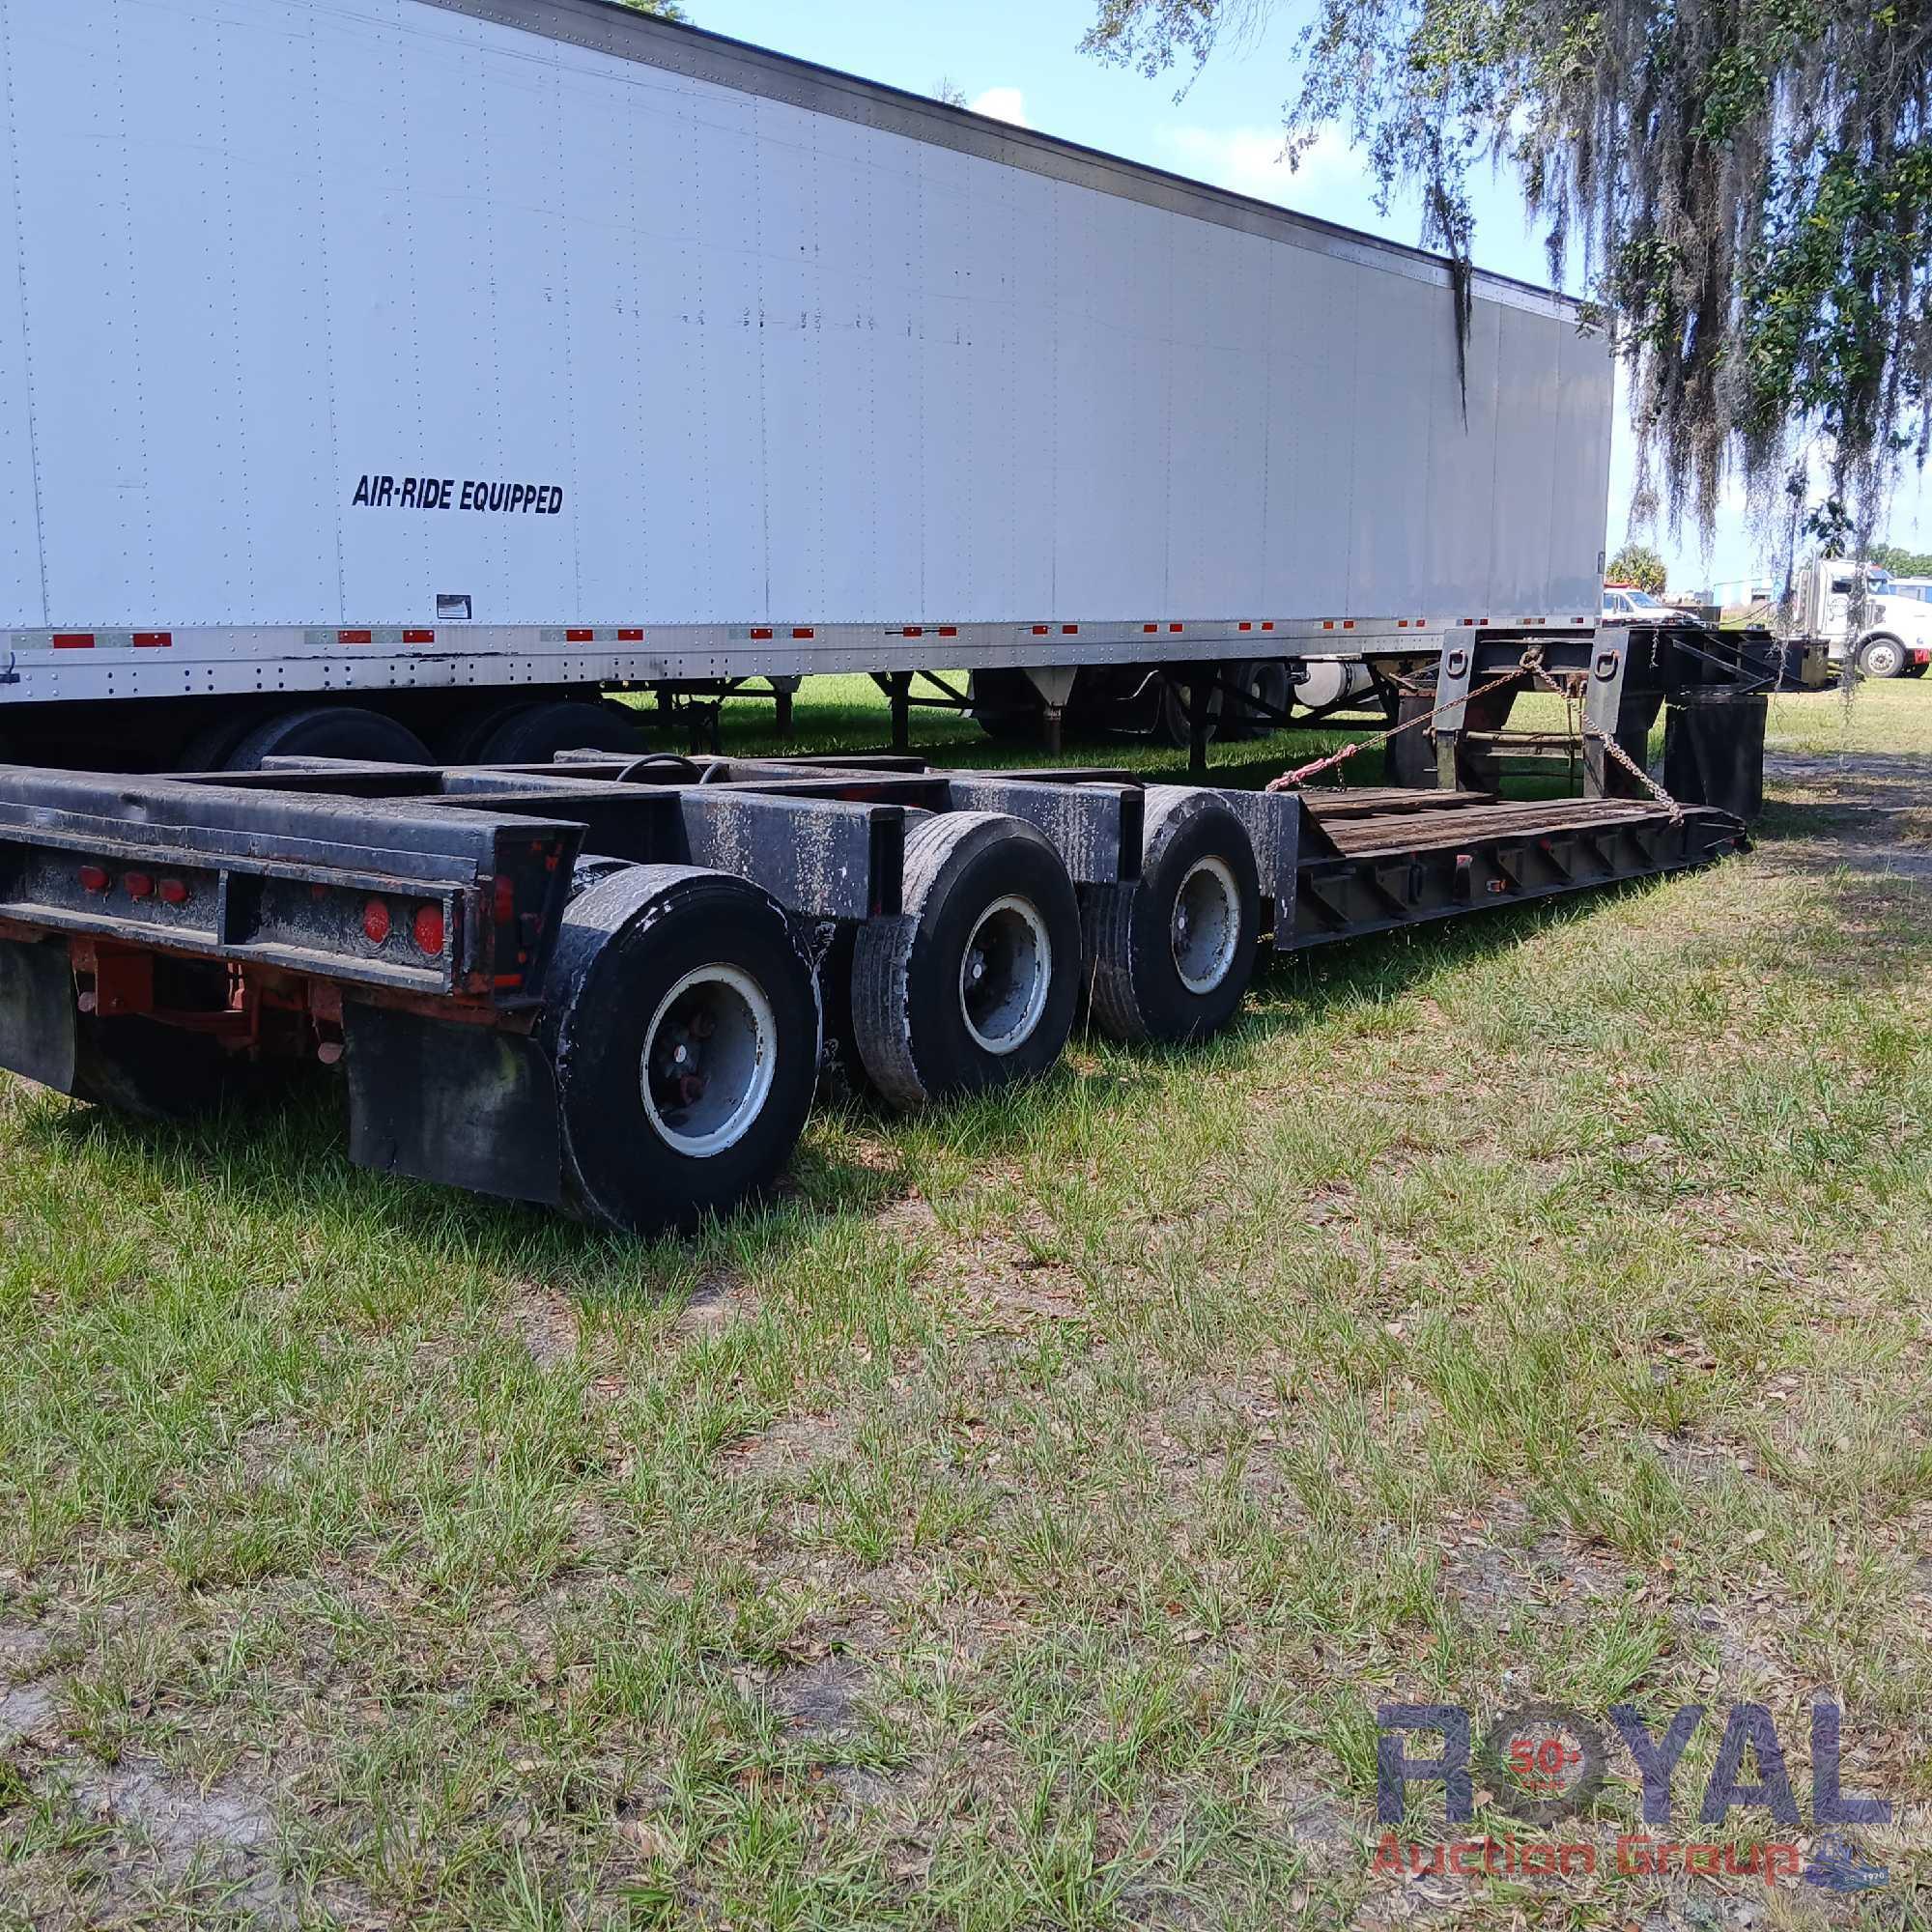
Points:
x=533 y=735
x=1169 y=714
x=651 y=963
x=1264 y=679
x=1169 y=955
x=1005 y=705
x=327 y=731
x=973 y=986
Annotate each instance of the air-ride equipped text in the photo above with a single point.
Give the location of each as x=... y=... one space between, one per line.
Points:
x=446 y=493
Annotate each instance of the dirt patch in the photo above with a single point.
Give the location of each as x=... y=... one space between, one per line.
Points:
x=168 y=1831
x=1866 y=810
x=821 y=1697
x=792 y=1444
x=546 y=1323
x=715 y=1303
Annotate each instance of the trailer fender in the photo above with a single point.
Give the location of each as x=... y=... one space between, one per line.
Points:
x=461 y=1104
x=37 y=1013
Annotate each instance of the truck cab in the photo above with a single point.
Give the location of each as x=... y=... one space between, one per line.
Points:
x=1883 y=633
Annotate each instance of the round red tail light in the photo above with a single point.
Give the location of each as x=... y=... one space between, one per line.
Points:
x=429 y=929
x=139 y=886
x=376 y=922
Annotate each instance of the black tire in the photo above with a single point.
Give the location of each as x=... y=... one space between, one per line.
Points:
x=1006 y=705
x=1264 y=680
x=1882 y=655
x=650 y=962
x=327 y=731
x=1170 y=715
x=533 y=735
x=923 y=1030
x=1169 y=955
x=208 y=748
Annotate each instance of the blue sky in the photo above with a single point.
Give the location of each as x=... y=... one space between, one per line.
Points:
x=1020 y=59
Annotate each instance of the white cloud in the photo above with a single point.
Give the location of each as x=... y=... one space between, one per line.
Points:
x=1253 y=160
x=1003 y=104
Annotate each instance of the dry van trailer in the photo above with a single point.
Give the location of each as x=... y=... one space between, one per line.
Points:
x=438 y=360
x=612 y=986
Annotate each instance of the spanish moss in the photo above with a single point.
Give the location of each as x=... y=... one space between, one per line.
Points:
x=1744 y=185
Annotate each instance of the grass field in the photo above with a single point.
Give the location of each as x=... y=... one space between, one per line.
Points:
x=1017 y=1523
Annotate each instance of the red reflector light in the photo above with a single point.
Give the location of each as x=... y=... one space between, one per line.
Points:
x=913 y=631
x=153 y=640
x=353 y=637
x=1347 y=623
x=504 y=900
x=376 y=922
x=94 y=878
x=578 y=636
x=630 y=637
x=1039 y=630
x=418 y=636
x=1176 y=627
x=803 y=631
x=760 y=630
x=73 y=641
x=174 y=892
x=1149 y=627
x=428 y=929
x=1247 y=626
x=1069 y=630
x=1269 y=625
x=139 y=886
x=948 y=630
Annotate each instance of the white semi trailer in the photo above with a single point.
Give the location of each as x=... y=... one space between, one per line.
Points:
x=394 y=379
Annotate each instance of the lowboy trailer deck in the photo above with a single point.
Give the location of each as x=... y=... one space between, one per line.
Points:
x=612 y=986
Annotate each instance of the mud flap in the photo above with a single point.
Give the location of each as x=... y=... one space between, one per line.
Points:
x=464 y=1105
x=36 y=1031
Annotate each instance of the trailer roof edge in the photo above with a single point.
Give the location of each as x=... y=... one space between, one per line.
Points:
x=609 y=27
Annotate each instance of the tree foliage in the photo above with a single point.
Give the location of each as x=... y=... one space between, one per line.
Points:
x=1901 y=562
x=1637 y=563
x=665 y=9
x=1748 y=185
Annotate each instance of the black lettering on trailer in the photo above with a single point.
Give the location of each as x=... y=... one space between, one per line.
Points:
x=443 y=493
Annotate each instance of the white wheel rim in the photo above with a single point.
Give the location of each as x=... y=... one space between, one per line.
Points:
x=1004 y=974
x=709 y=1055
x=1882 y=658
x=1204 y=927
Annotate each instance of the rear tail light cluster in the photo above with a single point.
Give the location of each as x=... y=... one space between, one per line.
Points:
x=425 y=925
x=137 y=885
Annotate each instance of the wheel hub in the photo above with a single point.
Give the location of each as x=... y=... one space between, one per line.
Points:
x=1205 y=929
x=1005 y=974
x=708 y=1059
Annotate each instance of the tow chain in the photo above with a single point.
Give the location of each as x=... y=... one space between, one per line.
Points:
x=1531 y=665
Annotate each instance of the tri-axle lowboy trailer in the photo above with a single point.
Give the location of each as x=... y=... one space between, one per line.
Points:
x=612 y=986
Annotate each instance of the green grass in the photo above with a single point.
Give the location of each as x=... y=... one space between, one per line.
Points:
x=1016 y=1523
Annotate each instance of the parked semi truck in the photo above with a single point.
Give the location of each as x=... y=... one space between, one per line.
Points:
x=399 y=380
x=1863 y=617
